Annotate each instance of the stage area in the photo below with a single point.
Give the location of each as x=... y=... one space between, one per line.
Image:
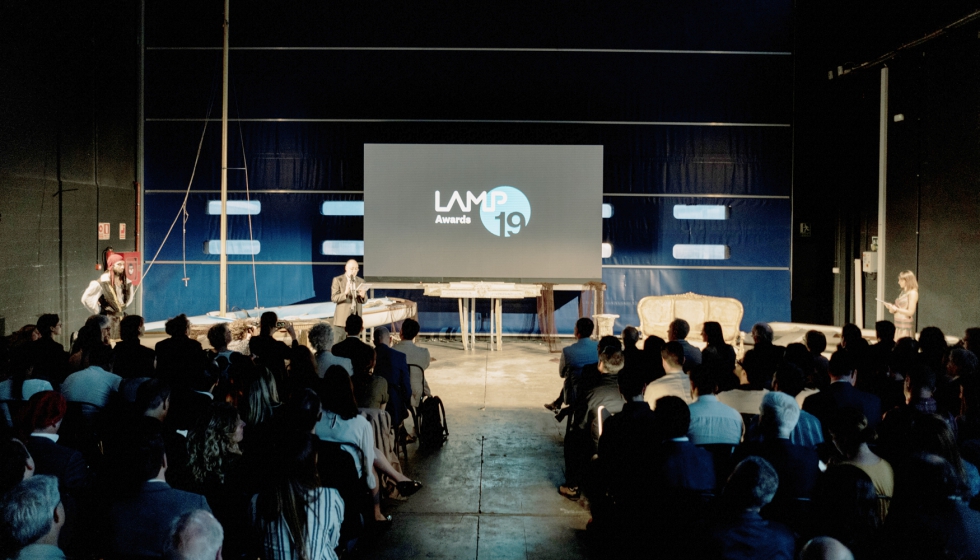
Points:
x=492 y=491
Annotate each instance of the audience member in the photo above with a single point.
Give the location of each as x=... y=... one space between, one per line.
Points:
x=712 y=422
x=48 y=355
x=417 y=356
x=196 y=535
x=816 y=343
x=190 y=402
x=760 y=362
x=573 y=358
x=719 y=355
x=94 y=384
x=43 y=416
x=808 y=431
x=846 y=507
x=841 y=393
x=739 y=531
x=21 y=386
x=675 y=381
x=677 y=331
x=353 y=348
x=971 y=340
x=825 y=548
x=153 y=407
x=632 y=354
x=16 y=464
x=800 y=358
x=652 y=347
x=179 y=357
x=371 y=391
x=968 y=421
x=930 y=434
x=933 y=349
x=961 y=366
x=31 y=518
x=678 y=464
x=241 y=334
x=271 y=352
x=851 y=436
x=294 y=515
x=321 y=337
x=140 y=519
x=392 y=365
x=94 y=335
x=130 y=358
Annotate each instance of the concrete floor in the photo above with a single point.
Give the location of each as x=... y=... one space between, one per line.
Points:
x=491 y=491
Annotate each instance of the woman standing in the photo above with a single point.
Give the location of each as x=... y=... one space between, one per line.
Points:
x=904 y=307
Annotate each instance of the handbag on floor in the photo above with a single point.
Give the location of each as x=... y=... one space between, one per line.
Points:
x=431 y=417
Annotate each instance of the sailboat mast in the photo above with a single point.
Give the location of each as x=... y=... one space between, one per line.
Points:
x=223 y=281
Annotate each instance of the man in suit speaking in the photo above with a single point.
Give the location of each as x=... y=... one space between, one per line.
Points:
x=347 y=290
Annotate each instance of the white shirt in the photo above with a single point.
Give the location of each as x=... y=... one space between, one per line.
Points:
x=672 y=384
x=91 y=385
x=356 y=431
x=714 y=422
x=324 y=516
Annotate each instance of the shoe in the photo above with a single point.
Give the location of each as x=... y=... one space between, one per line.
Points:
x=410 y=439
x=383 y=524
x=551 y=406
x=408 y=487
x=570 y=492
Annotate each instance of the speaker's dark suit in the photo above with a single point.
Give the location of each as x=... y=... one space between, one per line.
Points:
x=139 y=525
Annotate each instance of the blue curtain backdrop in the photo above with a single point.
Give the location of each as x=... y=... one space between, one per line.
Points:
x=692 y=103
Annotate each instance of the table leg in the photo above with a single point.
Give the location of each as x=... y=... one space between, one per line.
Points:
x=473 y=323
x=493 y=323
x=462 y=321
x=500 y=324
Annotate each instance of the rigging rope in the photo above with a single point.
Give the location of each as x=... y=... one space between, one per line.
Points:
x=248 y=198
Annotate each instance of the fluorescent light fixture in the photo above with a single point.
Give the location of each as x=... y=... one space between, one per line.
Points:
x=342 y=208
x=700 y=212
x=701 y=252
x=233 y=247
x=607 y=211
x=236 y=207
x=347 y=248
x=606 y=250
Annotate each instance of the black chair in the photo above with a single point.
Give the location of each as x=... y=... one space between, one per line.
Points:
x=11 y=411
x=80 y=430
x=721 y=454
x=337 y=469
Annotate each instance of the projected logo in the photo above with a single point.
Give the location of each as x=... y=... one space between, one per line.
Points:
x=504 y=211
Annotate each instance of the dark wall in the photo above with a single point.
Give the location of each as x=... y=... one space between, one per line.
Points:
x=67 y=150
x=932 y=155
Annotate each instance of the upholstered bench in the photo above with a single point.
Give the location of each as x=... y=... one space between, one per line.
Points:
x=657 y=312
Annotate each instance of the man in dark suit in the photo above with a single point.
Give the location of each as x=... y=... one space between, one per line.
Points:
x=841 y=393
x=761 y=361
x=352 y=348
x=188 y=404
x=347 y=291
x=393 y=366
x=677 y=331
x=270 y=352
x=740 y=532
x=130 y=358
x=179 y=354
x=140 y=522
x=47 y=409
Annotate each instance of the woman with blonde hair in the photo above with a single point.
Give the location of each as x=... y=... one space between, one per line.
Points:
x=904 y=307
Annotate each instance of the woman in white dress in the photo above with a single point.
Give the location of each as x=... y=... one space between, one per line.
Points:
x=904 y=307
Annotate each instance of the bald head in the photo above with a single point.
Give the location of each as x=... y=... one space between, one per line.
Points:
x=825 y=548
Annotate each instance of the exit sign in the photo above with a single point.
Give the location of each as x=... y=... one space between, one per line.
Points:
x=105 y=231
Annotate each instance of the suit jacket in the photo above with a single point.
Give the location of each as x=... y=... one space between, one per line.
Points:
x=393 y=366
x=356 y=351
x=573 y=358
x=50 y=360
x=796 y=465
x=177 y=358
x=340 y=293
x=748 y=536
x=680 y=465
x=62 y=462
x=132 y=359
x=839 y=395
x=418 y=356
x=186 y=407
x=760 y=363
x=139 y=525
x=692 y=356
x=272 y=354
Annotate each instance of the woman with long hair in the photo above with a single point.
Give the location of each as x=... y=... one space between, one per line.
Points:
x=261 y=396
x=94 y=335
x=213 y=445
x=718 y=355
x=905 y=305
x=296 y=517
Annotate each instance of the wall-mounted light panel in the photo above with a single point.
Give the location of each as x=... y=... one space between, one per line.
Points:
x=701 y=212
x=236 y=207
x=701 y=252
x=233 y=247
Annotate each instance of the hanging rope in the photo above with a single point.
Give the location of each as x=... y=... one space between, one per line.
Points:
x=182 y=212
x=248 y=198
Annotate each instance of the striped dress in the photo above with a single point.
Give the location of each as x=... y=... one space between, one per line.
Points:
x=324 y=515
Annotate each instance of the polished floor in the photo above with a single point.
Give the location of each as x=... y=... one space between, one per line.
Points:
x=491 y=491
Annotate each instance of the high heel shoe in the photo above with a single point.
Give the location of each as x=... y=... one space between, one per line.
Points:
x=383 y=523
x=408 y=487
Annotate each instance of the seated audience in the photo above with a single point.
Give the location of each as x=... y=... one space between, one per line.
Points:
x=797 y=466
x=739 y=531
x=970 y=340
x=841 y=394
x=192 y=401
x=196 y=535
x=853 y=342
x=968 y=421
x=295 y=516
x=16 y=464
x=816 y=343
x=241 y=333
x=321 y=337
x=846 y=507
x=675 y=381
x=632 y=354
x=179 y=357
x=140 y=518
x=153 y=406
x=94 y=335
x=353 y=348
x=130 y=358
x=371 y=391
x=21 y=385
x=851 y=436
x=43 y=416
x=652 y=347
x=919 y=388
x=48 y=355
x=392 y=365
x=573 y=359
x=677 y=332
x=679 y=467
x=94 y=384
x=928 y=518
x=960 y=367
x=808 y=431
x=719 y=355
x=801 y=358
x=270 y=352
x=880 y=353
x=930 y=434
x=301 y=371
x=760 y=362
x=31 y=518
x=712 y=422
x=933 y=349
x=417 y=356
